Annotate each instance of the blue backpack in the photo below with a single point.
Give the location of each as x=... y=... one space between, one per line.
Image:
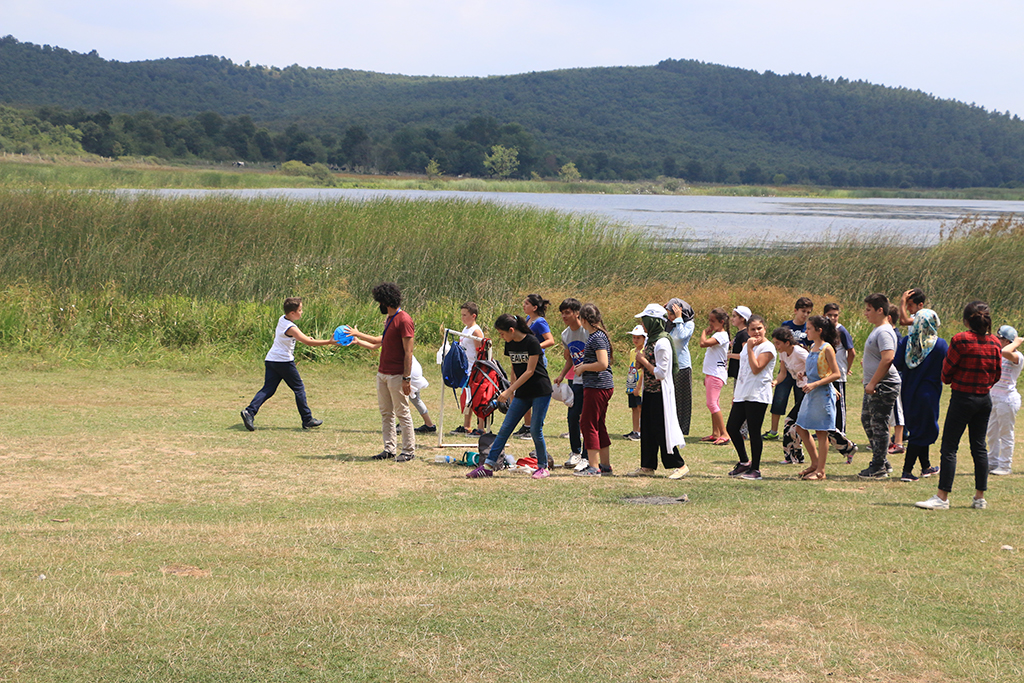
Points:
x=455 y=367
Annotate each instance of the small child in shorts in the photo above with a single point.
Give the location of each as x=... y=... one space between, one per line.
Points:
x=635 y=382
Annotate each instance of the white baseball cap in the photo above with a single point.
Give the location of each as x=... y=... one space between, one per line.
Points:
x=743 y=312
x=653 y=311
x=639 y=331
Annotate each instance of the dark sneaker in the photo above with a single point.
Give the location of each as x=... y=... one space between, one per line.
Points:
x=247 y=420
x=632 y=436
x=589 y=471
x=405 y=457
x=312 y=424
x=523 y=433
x=739 y=469
x=871 y=473
x=425 y=429
x=459 y=430
x=477 y=432
x=479 y=473
x=934 y=469
x=606 y=470
x=909 y=476
x=383 y=455
x=751 y=474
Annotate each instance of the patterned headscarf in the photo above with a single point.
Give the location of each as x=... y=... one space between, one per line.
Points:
x=922 y=335
x=657 y=329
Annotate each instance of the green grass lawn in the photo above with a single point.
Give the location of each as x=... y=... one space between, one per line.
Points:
x=145 y=535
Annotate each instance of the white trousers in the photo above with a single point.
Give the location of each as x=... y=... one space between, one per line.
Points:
x=1000 y=434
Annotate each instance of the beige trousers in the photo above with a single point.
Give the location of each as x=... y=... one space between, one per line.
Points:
x=394 y=404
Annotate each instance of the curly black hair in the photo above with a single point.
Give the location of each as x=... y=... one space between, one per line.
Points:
x=388 y=294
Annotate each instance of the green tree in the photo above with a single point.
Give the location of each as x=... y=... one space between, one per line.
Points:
x=502 y=162
x=433 y=169
x=569 y=173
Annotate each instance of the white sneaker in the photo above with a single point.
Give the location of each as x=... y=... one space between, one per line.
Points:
x=640 y=472
x=581 y=465
x=1000 y=471
x=933 y=503
x=979 y=504
x=573 y=460
x=680 y=473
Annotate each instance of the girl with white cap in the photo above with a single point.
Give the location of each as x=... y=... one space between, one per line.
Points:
x=659 y=422
x=1005 y=404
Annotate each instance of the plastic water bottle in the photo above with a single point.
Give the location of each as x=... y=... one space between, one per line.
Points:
x=445 y=459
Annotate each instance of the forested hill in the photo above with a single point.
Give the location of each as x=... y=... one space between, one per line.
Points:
x=681 y=118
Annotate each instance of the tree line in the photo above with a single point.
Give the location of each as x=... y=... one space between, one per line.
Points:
x=680 y=118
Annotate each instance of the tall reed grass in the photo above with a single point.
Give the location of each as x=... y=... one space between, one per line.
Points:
x=85 y=270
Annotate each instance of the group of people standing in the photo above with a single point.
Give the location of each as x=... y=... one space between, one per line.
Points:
x=816 y=353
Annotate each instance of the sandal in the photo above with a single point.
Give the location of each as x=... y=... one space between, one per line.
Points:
x=724 y=441
x=803 y=473
x=815 y=476
x=711 y=437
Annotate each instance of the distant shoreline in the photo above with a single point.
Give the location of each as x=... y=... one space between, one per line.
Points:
x=21 y=171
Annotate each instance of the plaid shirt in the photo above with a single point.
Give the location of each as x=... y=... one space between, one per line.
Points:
x=973 y=363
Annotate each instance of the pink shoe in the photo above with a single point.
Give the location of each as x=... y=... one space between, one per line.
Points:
x=542 y=473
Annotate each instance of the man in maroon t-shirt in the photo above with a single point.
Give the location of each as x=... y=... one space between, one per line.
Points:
x=394 y=373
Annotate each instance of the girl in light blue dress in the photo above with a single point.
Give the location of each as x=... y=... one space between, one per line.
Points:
x=818 y=410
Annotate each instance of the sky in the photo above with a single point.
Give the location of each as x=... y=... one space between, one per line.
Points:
x=967 y=51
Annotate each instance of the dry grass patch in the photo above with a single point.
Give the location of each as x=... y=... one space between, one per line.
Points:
x=178 y=546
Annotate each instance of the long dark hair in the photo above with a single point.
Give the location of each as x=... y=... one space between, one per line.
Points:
x=827 y=329
x=540 y=302
x=592 y=314
x=507 y=321
x=978 y=317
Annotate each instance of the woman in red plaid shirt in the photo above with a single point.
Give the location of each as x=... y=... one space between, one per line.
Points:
x=971 y=367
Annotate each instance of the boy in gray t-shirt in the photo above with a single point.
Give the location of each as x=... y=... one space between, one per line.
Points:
x=881 y=384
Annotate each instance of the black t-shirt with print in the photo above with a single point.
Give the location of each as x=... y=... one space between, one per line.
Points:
x=519 y=355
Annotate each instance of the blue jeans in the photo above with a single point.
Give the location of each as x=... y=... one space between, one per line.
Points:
x=780 y=397
x=515 y=413
x=276 y=372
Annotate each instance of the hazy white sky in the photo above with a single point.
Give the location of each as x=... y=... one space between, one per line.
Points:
x=969 y=51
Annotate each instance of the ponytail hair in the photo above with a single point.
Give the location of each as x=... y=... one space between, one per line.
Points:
x=978 y=317
x=722 y=317
x=827 y=328
x=540 y=302
x=591 y=314
x=506 y=322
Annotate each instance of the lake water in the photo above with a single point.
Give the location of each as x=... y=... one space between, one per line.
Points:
x=703 y=221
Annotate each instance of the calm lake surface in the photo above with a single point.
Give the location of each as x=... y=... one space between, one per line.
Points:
x=705 y=221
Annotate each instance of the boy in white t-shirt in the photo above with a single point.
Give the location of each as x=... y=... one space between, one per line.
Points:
x=471 y=345
x=280 y=365
x=1005 y=404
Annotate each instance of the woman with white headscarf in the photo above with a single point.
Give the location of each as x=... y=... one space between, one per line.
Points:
x=680 y=327
x=918 y=359
x=659 y=423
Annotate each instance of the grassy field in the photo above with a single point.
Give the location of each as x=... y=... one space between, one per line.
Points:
x=147 y=536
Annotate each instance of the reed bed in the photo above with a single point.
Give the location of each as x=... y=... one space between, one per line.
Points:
x=88 y=270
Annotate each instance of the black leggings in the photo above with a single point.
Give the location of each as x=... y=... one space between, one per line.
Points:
x=753 y=415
